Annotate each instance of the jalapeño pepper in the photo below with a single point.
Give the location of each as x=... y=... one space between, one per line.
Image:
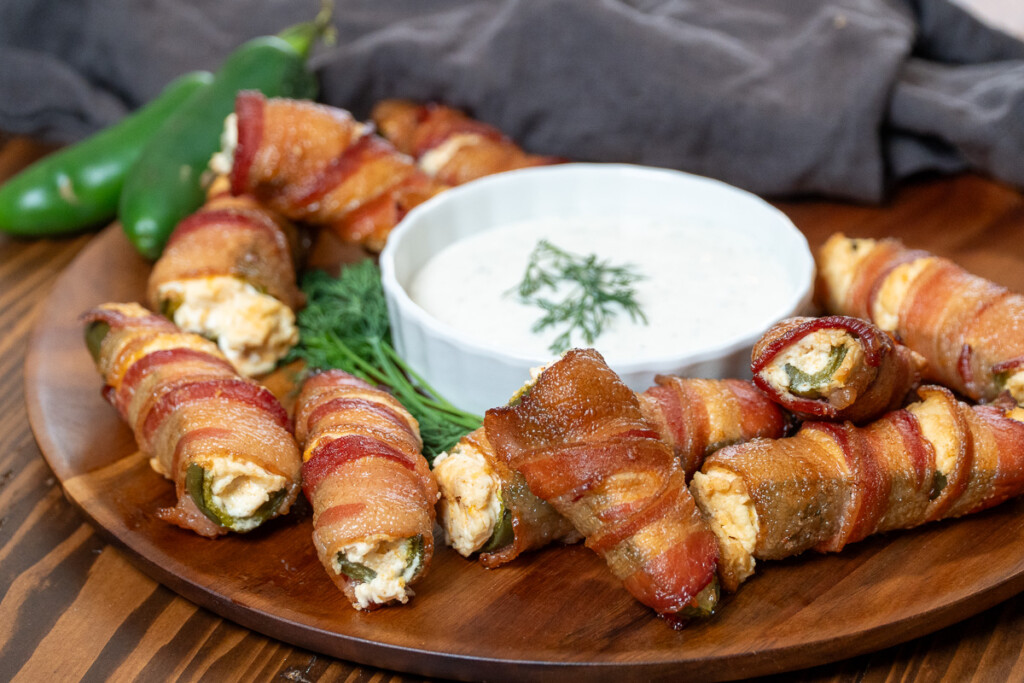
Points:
x=199 y=486
x=164 y=185
x=503 y=533
x=95 y=333
x=360 y=573
x=809 y=385
x=79 y=186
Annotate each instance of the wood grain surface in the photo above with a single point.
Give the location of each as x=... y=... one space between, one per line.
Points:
x=74 y=607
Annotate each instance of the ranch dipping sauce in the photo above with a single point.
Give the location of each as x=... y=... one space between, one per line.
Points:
x=697 y=289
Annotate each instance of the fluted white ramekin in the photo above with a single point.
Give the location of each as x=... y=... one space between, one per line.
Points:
x=476 y=377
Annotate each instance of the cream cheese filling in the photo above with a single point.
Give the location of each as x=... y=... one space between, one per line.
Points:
x=723 y=498
x=811 y=355
x=885 y=309
x=253 y=330
x=470 y=505
x=240 y=488
x=939 y=428
x=389 y=560
x=223 y=160
x=433 y=160
x=840 y=259
x=1015 y=385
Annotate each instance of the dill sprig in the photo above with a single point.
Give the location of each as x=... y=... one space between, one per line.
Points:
x=597 y=290
x=345 y=325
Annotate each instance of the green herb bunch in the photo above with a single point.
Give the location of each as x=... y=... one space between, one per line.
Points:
x=597 y=290
x=345 y=326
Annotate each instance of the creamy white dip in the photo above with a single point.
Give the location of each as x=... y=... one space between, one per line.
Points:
x=698 y=290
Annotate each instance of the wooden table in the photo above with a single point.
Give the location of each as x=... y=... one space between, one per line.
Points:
x=74 y=607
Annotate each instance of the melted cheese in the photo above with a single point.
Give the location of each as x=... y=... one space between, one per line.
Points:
x=389 y=559
x=885 y=309
x=254 y=330
x=470 y=498
x=239 y=488
x=839 y=260
x=722 y=497
x=437 y=158
x=222 y=161
x=160 y=342
x=1015 y=385
x=939 y=428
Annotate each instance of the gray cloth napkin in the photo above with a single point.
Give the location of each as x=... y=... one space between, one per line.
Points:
x=835 y=98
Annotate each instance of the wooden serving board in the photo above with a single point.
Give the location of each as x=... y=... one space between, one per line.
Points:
x=554 y=615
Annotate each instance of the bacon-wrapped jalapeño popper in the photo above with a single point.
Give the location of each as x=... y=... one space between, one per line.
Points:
x=317 y=164
x=228 y=273
x=696 y=417
x=581 y=443
x=487 y=507
x=449 y=145
x=223 y=440
x=834 y=368
x=969 y=330
x=370 y=487
x=832 y=484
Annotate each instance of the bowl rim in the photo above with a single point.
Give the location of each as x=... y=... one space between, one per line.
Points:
x=800 y=296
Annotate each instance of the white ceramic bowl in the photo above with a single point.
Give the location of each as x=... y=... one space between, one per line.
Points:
x=475 y=376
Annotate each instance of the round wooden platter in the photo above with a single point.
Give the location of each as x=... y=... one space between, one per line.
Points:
x=554 y=615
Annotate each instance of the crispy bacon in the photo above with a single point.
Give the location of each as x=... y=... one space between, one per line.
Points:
x=232 y=236
x=876 y=381
x=696 y=417
x=478 y=149
x=693 y=416
x=535 y=523
x=833 y=484
x=187 y=406
x=363 y=470
x=970 y=330
x=317 y=164
x=581 y=443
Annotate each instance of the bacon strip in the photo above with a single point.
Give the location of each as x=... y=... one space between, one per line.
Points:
x=833 y=484
x=581 y=443
x=970 y=330
x=693 y=416
x=316 y=164
x=187 y=406
x=474 y=149
x=363 y=471
x=232 y=236
x=535 y=523
x=696 y=417
x=228 y=272
x=872 y=381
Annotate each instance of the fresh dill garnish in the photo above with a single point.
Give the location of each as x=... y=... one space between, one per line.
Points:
x=596 y=290
x=345 y=325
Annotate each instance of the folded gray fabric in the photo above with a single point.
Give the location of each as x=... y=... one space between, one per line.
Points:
x=838 y=98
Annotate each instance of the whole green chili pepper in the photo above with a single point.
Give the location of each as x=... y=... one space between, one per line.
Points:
x=164 y=185
x=79 y=186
